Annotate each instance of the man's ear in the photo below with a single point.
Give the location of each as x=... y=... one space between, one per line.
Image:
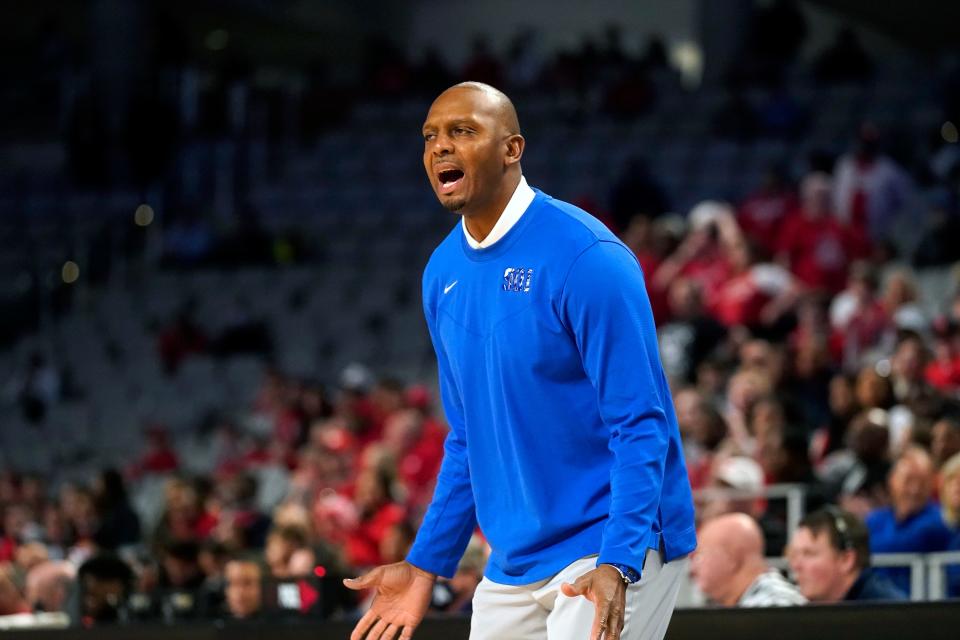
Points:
x=515 y=145
x=848 y=560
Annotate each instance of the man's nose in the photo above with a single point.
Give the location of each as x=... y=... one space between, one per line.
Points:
x=442 y=145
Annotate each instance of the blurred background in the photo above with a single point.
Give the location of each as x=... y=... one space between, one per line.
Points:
x=217 y=393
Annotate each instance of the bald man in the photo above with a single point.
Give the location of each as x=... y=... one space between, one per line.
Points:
x=563 y=443
x=729 y=568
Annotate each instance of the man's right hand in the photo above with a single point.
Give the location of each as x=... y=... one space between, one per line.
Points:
x=402 y=596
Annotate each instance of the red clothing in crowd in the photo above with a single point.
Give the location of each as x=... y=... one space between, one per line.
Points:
x=363 y=544
x=709 y=270
x=8 y=548
x=761 y=215
x=160 y=460
x=863 y=331
x=944 y=374
x=740 y=300
x=419 y=466
x=816 y=250
x=649 y=263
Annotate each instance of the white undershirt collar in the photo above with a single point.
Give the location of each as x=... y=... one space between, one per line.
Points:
x=519 y=201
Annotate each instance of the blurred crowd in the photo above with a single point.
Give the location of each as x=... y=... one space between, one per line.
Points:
x=797 y=343
x=355 y=471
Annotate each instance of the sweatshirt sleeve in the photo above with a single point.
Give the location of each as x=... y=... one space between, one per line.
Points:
x=605 y=307
x=451 y=517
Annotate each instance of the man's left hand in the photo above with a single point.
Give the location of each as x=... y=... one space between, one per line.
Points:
x=603 y=587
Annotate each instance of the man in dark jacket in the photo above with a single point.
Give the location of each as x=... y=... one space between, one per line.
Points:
x=829 y=555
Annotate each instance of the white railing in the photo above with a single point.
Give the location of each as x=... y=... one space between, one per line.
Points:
x=794 y=494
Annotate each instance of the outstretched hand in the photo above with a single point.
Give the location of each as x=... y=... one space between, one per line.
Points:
x=603 y=587
x=402 y=596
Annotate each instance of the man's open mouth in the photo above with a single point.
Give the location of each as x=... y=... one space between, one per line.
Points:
x=449 y=180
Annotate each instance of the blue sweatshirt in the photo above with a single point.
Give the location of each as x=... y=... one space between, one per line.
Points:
x=563 y=440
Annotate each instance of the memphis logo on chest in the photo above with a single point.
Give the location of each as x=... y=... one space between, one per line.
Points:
x=517 y=279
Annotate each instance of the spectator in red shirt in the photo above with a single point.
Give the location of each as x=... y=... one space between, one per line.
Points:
x=756 y=293
x=813 y=244
x=858 y=317
x=183 y=518
x=159 y=458
x=943 y=370
x=704 y=255
x=764 y=210
x=417 y=451
x=379 y=510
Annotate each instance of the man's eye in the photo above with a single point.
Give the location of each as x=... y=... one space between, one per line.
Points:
x=427 y=137
x=461 y=131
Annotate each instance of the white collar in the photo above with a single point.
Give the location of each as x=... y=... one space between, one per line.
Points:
x=519 y=202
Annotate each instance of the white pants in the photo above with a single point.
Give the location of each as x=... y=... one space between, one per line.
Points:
x=539 y=611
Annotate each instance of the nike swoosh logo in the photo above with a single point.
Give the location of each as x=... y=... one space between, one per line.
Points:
x=447 y=288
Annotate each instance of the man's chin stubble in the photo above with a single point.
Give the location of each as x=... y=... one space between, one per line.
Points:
x=454 y=206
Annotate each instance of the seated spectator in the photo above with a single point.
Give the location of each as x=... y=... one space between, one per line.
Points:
x=182 y=518
x=943 y=370
x=812 y=243
x=858 y=317
x=48 y=585
x=757 y=292
x=180 y=566
x=907 y=367
x=950 y=493
x=418 y=452
x=843 y=407
x=244 y=588
x=858 y=473
x=288 y=553
x=105 y=584
x=379 y=510
x=729 y=568
x=944 y=441
x=703 y=256
x=396 y=542
x=829 y=556
x=950 y=509
x=241 y=524
x=160 y=457
x=901 y=301
x=745 y=387
x=119 y=523
x=912 y=523
x=702 y=429
x=763 y=211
